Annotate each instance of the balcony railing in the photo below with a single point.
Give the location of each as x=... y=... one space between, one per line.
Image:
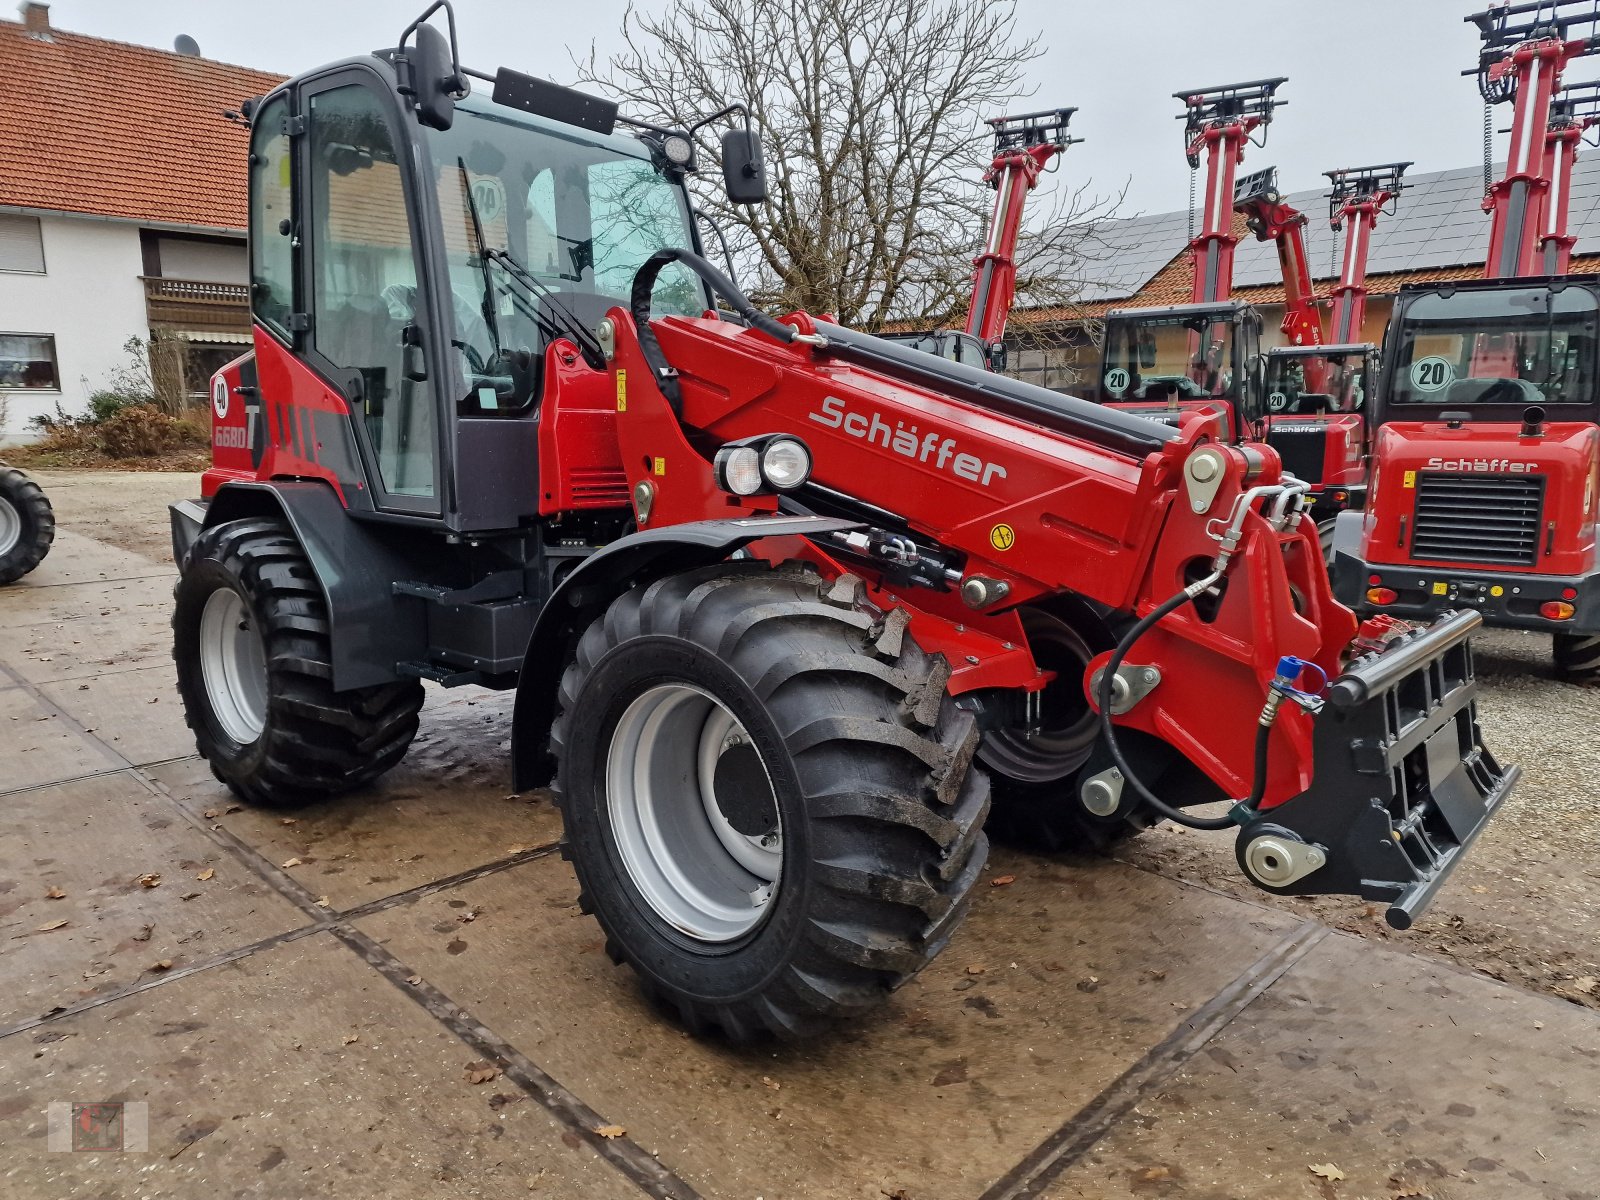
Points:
x=196 y=305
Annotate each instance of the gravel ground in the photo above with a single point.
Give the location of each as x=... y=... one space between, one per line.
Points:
x=1524 y=908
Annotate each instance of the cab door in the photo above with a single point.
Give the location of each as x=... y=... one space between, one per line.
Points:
x=363 y=263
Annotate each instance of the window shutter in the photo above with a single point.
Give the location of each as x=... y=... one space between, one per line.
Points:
x=21 y=245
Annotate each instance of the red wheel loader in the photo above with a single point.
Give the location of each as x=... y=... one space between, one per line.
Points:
x=1487 y=445
x=786 y=606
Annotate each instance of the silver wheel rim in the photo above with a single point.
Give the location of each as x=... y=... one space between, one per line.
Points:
x=681 y=848
x=10 y=527
x=233 y=664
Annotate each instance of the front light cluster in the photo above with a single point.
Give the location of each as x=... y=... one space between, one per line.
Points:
x=780 y=464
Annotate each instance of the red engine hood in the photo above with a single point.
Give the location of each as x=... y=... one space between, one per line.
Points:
x=1564 y=458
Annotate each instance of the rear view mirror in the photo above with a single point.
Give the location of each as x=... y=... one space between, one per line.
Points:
x=433 y=82
x=1147 y=351
x=744 y=173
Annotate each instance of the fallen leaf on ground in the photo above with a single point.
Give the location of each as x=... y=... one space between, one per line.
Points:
x=208 y=873
x=481 y=1072
x=413 y=980
x=286 y=821
x=1155 y=1174
x=1585 y=984
x=1325 y=1170
x=210 y=814
x=1412 y=1194
x=49 y=925
x=293 y=862
x=611 y=1131
x=233 y=808
x=770 y=1082
x=1002 y=880
x=976 y=970
x=351 y=1038
x=1479 y=888
x=323 y=902
x=189 y=896
x=150 y=880
x=144 y=933
x=55 y=893
x=164 y=965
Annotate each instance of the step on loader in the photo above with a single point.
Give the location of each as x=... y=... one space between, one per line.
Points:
x=786 y=607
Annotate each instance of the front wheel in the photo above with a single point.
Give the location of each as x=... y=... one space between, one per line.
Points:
x=254 y=658
x=767 y=797
x=27 y=525
x=1577 y=657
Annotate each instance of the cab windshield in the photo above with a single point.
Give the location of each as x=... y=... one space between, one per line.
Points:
x=544 y=228
x=1177 y=357
x=1308 y=384
x=1530 y=345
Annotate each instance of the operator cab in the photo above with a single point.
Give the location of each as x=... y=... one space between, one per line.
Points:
x=1315 y=381
x=1160 y=362
x=418 y=241
x=1492 y=350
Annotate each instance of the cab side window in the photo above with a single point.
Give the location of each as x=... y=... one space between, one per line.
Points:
x=364 y=282
x=271 y=222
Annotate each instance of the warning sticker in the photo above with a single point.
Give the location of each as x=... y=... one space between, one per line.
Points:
x=1002 y=537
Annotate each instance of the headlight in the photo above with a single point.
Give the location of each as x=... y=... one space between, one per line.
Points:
x=738 y=470
x=785 y=464
x=678 y=150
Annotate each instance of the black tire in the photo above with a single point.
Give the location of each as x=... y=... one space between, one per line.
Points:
x=867 y=763
x=1034 y=781
x=1577 y=657
x=314 y=742
x=27 y=525
x=1325 y=539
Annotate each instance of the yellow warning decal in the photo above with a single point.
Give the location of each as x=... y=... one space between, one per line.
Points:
x=1002 y=537
x=1497 y=590
x=622 y=394
x=1441 y=589
x=1411 y=476
x=661 y=466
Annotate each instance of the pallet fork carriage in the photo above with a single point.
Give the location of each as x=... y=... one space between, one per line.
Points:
x=787 y=607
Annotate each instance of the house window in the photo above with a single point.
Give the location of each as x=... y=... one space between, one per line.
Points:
x=28 y=361
x=21 y=245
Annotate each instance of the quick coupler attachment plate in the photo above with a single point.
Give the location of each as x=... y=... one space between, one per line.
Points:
x=1402 y=781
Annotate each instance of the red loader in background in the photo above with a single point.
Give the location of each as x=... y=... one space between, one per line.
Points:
x=1487 y=453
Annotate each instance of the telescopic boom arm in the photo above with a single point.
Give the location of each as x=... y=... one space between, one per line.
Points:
x=1572 y=113
x=1023 y=146
x=1273 y=219
x=1218 y=122
x=1525 y=49
x=1358 y=195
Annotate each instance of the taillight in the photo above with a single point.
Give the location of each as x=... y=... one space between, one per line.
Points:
x=1556 y=610
x=1382 y=595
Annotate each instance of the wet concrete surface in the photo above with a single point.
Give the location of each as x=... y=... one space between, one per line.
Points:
x=1093 y=1030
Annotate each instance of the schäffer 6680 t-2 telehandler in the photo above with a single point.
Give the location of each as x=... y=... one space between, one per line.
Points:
x=784 y=604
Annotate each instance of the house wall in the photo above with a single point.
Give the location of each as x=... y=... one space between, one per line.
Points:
x=89 y=298
x=212 y=262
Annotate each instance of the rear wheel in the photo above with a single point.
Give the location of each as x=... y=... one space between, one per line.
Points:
x=27 y=525
x=1035 y=775
x=767 y=797
x=250 y=639
x=1325 y=538
x=1577 y=657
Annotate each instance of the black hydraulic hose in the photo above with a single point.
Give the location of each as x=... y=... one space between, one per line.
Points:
x=1108 y=728
x=644 y=282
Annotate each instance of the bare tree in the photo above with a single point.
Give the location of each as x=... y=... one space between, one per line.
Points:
x=870 y=113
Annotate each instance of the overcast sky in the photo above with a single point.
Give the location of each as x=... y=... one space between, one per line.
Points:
x=1369 y=80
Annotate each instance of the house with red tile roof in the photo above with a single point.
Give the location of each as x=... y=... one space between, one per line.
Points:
x=122 y=212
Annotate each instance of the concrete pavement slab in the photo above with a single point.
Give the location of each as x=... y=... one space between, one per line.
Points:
x=147 y=600
x=38 y=747
x=1405 y=1077
x=296 y=1072
x=136 y=712
x=84 y=647
x=93 y=841
x=74 y=558
x=445 y=809
x=1057 y=982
